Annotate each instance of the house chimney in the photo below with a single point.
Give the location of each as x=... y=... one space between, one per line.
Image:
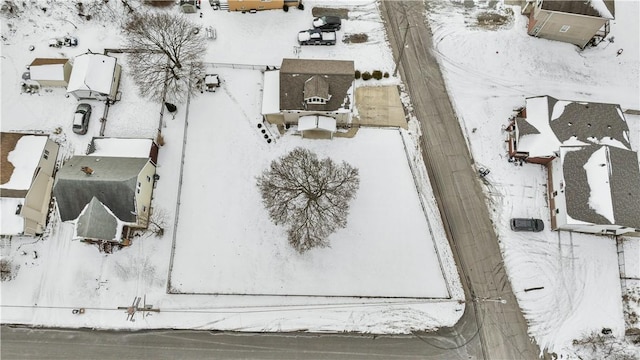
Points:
x=87 y=170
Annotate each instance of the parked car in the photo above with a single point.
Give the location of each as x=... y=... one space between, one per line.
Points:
x=316 y=37
x=327 y=23
x=520 y=224
x=81 y=118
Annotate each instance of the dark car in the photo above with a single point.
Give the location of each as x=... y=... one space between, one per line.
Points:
x=81 y=118
x=519 y=224
x=327 y=23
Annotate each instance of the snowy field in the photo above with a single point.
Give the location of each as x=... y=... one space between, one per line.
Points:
x=489 y=73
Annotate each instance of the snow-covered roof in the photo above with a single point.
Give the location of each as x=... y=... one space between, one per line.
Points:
x=598 y=8
x=602 y=185
x=121 y=147
x=316 y=122
x=271 y=92
x=24 y=159
x=10 y=222
x=551 y=123
x=47 y=69
x=92 y=72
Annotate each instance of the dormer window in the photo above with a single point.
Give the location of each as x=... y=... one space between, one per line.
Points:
x=316 y=91
x=316 y=100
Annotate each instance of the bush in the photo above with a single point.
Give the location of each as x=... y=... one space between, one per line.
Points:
x=160 y=140
x=285 y=7
x=366 y=75
x=386 y=75
x=301 y=6
x=377 y=74
x=358 y=74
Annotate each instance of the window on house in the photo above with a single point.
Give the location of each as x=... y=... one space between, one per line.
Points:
x=564 y=28
x=138 y=191
x=148 y=178
x=555 y=193
x=139 y=184
x=557 y=211
x=46 y=155
x=144 y=209
x=316 y=100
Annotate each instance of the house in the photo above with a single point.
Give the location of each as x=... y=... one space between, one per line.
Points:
x=50 y=72
x=254 y=5
x=305 y=87
x=575 y=22
x=546 y=123
x=27 y=165
x=95 y=76
x=595 y=189
x=107 y=195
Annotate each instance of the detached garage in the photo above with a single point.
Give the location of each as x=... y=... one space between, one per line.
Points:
x=50 y=72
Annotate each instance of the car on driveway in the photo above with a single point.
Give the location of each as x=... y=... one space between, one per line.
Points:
x=327 y=23
x=522 y=224
x=316 y=37
x=81 y=119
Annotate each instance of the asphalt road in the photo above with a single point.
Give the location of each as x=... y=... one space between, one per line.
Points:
x=23 y=343
x=503 y=329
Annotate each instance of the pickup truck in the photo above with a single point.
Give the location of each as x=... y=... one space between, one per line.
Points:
x=316 y=37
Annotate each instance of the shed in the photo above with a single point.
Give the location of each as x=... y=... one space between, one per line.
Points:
x=50 y=71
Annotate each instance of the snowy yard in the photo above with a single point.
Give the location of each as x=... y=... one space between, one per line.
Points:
x=488 y=74
x=225 y=235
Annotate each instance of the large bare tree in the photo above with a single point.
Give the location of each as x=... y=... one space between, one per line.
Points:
x=309 y=195
x=165 y=54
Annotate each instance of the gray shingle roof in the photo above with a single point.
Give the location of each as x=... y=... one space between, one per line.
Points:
x=590 y=120
x=580 y=7
x=96 y=222
x=624 y=182
x=113 y=183
x=294 y=73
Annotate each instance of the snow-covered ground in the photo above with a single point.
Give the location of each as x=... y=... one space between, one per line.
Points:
x=488 y=72
x=225 y=243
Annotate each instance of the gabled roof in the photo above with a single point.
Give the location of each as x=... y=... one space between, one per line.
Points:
x=113 y=182
x=48 y=61
x=598 y=8
x=551 y=123
x=602 y=185
x=92 y=72
x=316 y=86
x=97 y=222
x=294 y=74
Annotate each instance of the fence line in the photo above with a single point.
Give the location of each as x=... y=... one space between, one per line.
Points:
x=244 y=66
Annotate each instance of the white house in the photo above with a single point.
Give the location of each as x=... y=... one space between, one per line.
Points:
x=595 y=189
x=27 y=165
x=95 y=76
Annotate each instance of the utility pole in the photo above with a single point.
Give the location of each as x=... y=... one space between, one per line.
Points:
x=135 y=307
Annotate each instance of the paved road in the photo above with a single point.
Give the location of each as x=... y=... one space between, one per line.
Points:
x=22 y=343
x=503 y=330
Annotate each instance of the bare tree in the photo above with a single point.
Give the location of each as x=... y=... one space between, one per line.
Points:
x=165 y=54
x=157 y=222
x=309 y=195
